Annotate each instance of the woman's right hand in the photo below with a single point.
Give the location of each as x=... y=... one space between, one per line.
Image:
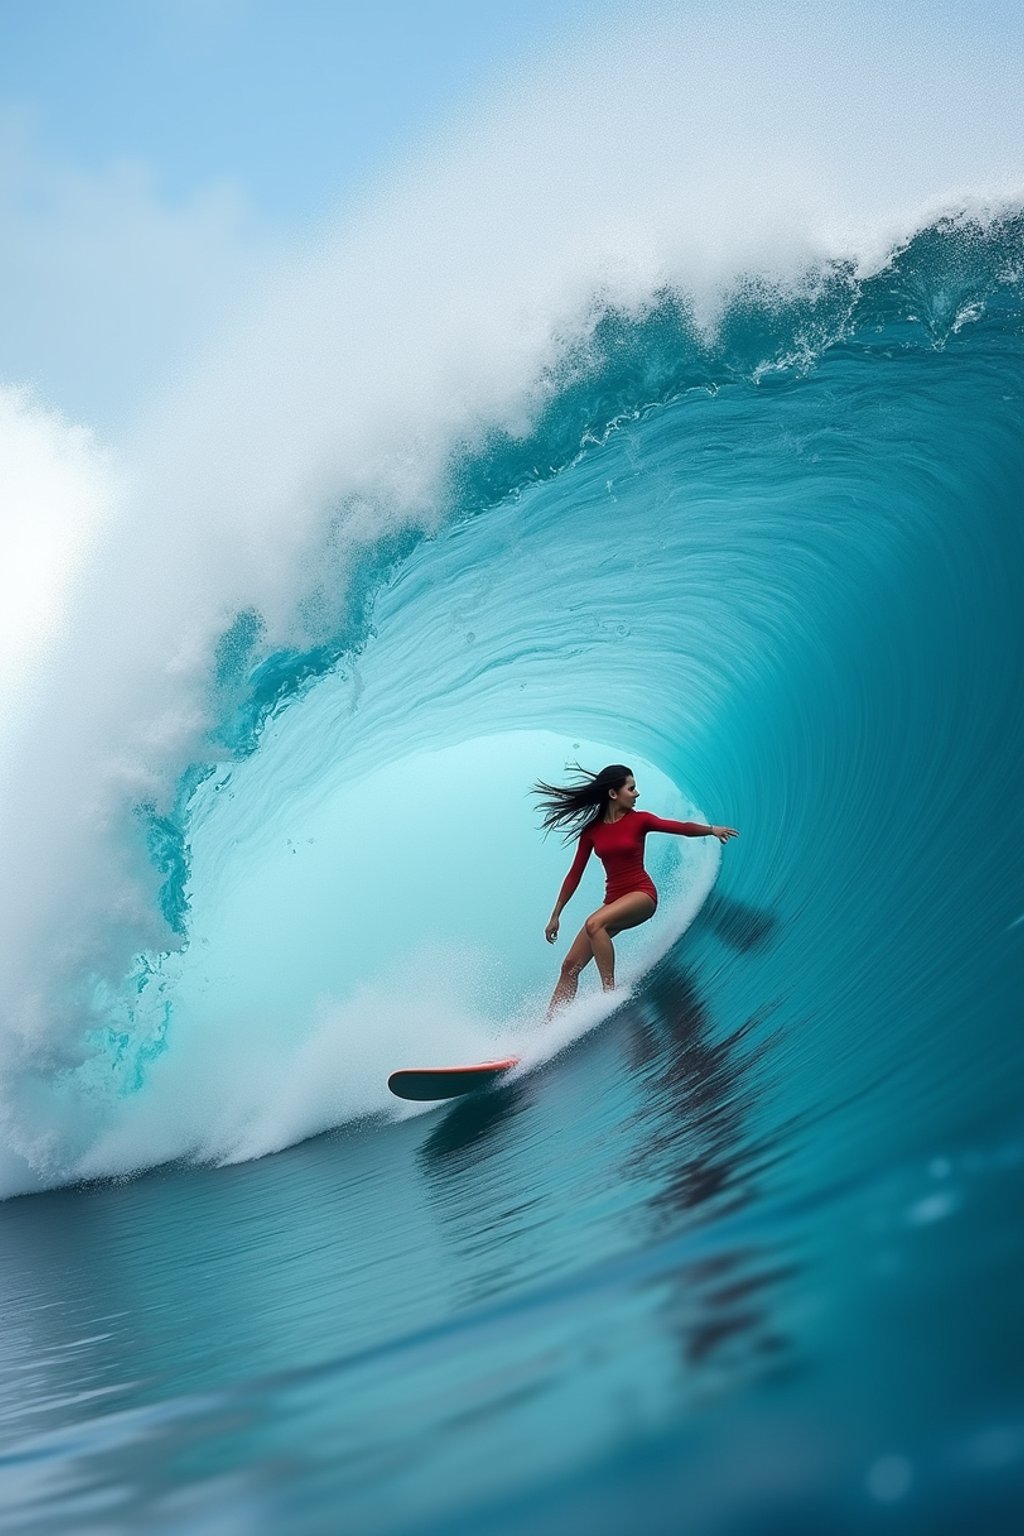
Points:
x=551 y=931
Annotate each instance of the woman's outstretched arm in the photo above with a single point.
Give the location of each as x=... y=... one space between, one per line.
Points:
x=688 y=828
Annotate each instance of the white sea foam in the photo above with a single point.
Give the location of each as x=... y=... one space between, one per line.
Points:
x=56 y=488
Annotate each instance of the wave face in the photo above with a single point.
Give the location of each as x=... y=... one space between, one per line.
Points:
x=774 y=566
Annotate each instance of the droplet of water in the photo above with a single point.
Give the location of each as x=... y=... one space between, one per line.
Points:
x=890 y=1478
x=932 y=1208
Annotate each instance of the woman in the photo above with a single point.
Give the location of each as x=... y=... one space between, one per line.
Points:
x=601 y=806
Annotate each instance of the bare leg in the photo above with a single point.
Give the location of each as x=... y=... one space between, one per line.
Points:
x=628 y=912
x=601 y=927
x=604 y=954
x=579 y=955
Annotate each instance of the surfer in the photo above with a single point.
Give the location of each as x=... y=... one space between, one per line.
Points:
x=601 y=808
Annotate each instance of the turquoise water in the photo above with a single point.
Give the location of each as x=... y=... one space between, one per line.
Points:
x=738 y=1253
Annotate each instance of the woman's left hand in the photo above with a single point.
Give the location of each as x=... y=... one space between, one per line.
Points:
x=724 y=833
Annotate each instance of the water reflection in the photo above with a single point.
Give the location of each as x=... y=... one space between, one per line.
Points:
x=695 y=1150
x=469 y=1123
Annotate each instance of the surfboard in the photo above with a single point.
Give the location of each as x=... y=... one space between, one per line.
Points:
x=427 y=1083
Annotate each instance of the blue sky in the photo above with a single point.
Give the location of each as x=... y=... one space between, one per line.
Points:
x=156 y=157
x=293 y=98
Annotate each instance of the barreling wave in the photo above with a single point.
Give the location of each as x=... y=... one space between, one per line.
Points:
x=654 y=384
x=631 y=491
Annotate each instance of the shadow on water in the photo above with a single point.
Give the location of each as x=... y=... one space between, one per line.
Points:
x=743 y=927
x=470 y=1123
x=702 y=1091
x=694 y=1123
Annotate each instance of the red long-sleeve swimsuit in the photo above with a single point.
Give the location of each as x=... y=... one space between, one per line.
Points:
x=620 y=847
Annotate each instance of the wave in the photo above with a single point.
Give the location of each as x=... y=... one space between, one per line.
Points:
x=504 y=375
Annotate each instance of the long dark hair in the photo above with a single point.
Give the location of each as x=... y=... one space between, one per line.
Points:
x=579 y=805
